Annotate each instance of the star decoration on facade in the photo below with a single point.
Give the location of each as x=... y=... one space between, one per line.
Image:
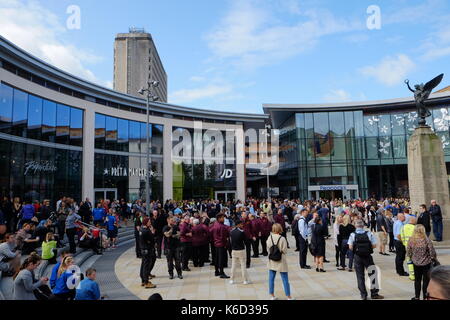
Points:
x=384 y=129
x=105 y=172
x=442 y=123
x=372 y=120
x=445 y=142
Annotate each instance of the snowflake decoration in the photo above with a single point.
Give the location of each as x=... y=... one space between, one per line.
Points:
x=444 y=141
x=384 y=129
x=373 y=120
x=400 y=120
x=384 y=147
x=443 y=123
x=412 y=116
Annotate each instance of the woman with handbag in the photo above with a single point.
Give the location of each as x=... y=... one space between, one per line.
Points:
x=277 y=247
x=423 y=256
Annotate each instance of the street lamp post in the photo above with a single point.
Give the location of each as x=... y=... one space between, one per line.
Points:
x=148 y=90
x=268 y=127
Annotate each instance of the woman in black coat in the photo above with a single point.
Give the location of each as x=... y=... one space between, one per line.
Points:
x=317 y=246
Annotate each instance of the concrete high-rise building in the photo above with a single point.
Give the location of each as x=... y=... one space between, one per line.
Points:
x=135 y=55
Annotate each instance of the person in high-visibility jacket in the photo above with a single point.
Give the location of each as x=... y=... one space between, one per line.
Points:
x=406 y=233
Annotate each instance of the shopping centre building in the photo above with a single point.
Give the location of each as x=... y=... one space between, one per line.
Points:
x=60 y=134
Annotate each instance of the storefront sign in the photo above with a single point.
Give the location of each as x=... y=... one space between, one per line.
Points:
x=34 y=167
x=227 y=173
x=125 y=172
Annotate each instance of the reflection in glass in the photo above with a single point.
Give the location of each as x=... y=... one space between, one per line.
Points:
x=20 y=109
x=123 y=135
x=62 y=124
x=76 y=127
x=337 y=123
x=135 y=133
x=6 y=107
x=111 y=133
x=49 y=121
x=34 y=117
x=100 y=131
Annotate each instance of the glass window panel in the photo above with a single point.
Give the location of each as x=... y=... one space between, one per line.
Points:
x=384 y=125
x=349 y=123
x=111 y=133
x=372 y=147
x=100 y=131
x=322 y=147
x=144 y=137
x=399 y=146
x=62 y=124
x=338 y=151
x=76 y=127
x=6 y=108
x=49 y=121
x=20 y=109
x=310 y=150
x=337 y=123
x=398 y=123
x=157 y=139
x=135 y=134
x=371 y=125
x=339 y=171
x=309 y=125
x=321 y=123
x=445 y=139
x=359 y=123
x=385 y=147
x=441 y=120
x=323 y=171
x=300 y=123
x=34 y=117
x=123 y=134
x=410 y=121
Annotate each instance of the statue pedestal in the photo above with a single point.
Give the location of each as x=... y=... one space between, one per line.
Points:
x=427 y=174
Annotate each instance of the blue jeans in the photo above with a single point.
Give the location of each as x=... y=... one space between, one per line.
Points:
x=437 y=230
x=284 y=278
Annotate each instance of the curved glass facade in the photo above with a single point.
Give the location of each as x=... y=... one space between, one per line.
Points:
x=120 y=158
x=40 y=146
x=364 y=152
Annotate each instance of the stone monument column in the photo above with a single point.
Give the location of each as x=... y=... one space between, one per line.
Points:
x=427 y=173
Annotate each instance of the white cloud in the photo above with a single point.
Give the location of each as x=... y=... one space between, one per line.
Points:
x=391 y=70
x=250 y=36
x=38 y=31
x=208 y=91
x=196 y=79
x=338 y=95
x=437 y=45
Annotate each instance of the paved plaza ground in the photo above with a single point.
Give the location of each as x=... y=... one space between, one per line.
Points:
x=200 y=283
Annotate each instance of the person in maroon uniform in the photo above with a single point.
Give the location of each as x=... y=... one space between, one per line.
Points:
x=279 y=218
x=255 y=236
x=265 y=227
x=186 y=242
x=247 y=227
x=200 y=243
x=220 y=234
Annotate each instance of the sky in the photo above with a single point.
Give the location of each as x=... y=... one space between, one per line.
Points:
x=235 y=55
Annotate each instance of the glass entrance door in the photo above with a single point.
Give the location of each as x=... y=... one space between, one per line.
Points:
x=102 y=194
x=225 y=195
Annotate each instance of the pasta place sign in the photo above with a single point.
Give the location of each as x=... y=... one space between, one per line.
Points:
x=33 y=167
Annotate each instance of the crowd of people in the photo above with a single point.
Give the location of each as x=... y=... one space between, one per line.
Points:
x=213 y=232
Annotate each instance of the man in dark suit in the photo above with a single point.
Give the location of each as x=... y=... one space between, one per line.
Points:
x=424 y=218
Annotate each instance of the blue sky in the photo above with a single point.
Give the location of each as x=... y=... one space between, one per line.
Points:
x=234 y=55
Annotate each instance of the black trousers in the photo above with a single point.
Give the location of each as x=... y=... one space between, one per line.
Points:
x=158 y=239
x=61 y=231
x=221 y=259
x=361 y=264
x=147 y=264
x=248 y=251
x=71 y=236
x=263 y=240
x=186 y=253
x=391 y=241
x=338 y=254
x=255 y=245
x=421 y=279
x=138 y=244
x=303 y=251
x=297 y=245
x=213 y=254
x=174 y=260
x=198 y=255
x=400 y=253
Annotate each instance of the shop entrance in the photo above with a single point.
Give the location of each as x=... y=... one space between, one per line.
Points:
x=225 y=196
x=110 y=194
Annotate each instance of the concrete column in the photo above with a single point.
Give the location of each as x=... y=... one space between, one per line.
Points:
x=87 y=188
x=167 y=163
x=427 y=173
x=240 y=164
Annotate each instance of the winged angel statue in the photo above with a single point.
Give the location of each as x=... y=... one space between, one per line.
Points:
x=421 y=93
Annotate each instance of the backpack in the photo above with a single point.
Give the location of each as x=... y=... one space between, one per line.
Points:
x=362 y=246
x=274 y=252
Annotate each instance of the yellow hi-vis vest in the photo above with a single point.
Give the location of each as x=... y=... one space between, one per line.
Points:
x=406 y=233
